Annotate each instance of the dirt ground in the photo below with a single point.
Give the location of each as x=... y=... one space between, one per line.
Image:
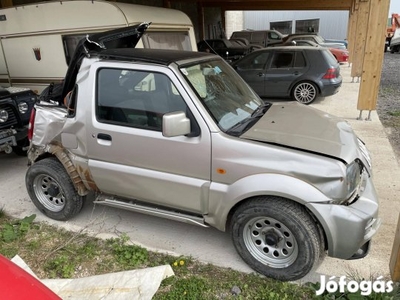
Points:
x=388 y=105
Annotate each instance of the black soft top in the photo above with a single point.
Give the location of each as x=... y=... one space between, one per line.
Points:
x=125 y=37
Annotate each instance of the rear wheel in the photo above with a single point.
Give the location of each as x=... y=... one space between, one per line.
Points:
x=305 y=92
x=277 y=238
x=52 y=191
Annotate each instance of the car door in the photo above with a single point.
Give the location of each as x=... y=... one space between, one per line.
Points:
x=285 y=68
x=252 y=69
x=129 y=156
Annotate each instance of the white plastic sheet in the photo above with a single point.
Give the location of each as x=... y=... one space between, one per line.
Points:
x=133 y=285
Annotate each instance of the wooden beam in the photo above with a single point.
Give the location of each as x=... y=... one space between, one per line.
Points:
x=6 y=3
x=351 y=34
x=200 y=15
x=275 y=4
x=282 y=5
x=373 y=57
x=394 y=264
x=359 y=42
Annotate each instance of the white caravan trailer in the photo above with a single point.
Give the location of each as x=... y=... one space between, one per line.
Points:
x=38 y=40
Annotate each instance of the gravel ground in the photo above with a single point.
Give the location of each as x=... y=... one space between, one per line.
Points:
x=388 y=106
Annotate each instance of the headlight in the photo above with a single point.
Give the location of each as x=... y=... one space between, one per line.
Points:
x=364 y=152
x=353 y=180
x=3 y=116
x=23 y=107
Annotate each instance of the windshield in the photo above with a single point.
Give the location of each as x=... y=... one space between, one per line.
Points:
x=226 y=96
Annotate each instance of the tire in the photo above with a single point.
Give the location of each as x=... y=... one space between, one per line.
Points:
x=52 y=191
x=277 y=238
x=305 y=92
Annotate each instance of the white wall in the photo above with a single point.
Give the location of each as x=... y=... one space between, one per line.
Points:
x=333 y=24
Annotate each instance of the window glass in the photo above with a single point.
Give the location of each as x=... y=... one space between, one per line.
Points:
x=300 y=61
x=167 y=40
x=136 y=98
x=284 y=27
x=223 y=92
x=70 y=42
x=254 y=61
x=282 y=60
x=311 y=25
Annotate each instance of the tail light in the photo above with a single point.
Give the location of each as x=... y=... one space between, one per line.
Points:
x=31 y=124
x=330 y=74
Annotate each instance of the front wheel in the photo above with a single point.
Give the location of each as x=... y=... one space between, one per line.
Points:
x=305 y=92
x=277 y=238
x=52 y=191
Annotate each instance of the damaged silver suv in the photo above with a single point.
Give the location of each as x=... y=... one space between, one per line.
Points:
x=180 y=135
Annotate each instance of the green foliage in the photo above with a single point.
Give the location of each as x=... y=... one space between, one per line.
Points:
x=192 y=288
x=395 y=113
x=61 y=267
x=12 y=231
x=128 y=255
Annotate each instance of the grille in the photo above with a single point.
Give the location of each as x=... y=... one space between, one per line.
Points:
x=12 y=118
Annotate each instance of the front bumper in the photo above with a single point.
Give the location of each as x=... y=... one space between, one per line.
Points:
x=7 y=140
x=349 y=228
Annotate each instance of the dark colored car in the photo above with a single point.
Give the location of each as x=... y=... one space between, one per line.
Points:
x=15 y=107
x=341 y=55
x=314 y=37
x=303 y=73
x=228 y=49
x=262 y=38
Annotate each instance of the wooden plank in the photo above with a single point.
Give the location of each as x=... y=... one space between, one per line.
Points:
x=394 y=264
x=6 y=3
x=200 y=16
x=281 y=5
x=373 y=57
x=360 y=37
x=351 y=34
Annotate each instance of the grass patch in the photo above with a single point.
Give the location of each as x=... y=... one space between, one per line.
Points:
x=55 y=253
x=395 y=113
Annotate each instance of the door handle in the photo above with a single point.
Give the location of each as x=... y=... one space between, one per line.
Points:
x=261 y=74
x=296 y=73
x=104 y=136
x=104 y=139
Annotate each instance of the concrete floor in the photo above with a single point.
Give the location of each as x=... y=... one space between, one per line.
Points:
x=211 y=246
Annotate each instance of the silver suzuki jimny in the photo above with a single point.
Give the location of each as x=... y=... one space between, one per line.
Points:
x=179 y=134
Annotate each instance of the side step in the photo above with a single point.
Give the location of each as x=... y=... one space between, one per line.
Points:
x=149 y=210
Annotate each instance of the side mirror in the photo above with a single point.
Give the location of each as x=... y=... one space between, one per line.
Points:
x=175 y=124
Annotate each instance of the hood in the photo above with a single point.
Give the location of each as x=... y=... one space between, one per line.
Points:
x=298 y=126
x=125 y=37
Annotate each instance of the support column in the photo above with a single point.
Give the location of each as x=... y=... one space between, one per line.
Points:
x=351 y=34
x=394 y=265
x=373 y=56
x=360 y=37
x=200 y=13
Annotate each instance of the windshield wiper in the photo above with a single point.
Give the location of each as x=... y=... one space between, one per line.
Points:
x=245 y=124
x=261 y=110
